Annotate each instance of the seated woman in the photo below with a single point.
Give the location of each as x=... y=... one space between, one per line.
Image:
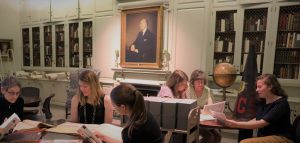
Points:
x=203 y=96
x=141 y=126
x=175 y=86
x=11 y=102
x=90 y=105
x=272 y=115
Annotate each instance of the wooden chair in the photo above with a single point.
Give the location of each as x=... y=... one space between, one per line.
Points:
x=192 y=131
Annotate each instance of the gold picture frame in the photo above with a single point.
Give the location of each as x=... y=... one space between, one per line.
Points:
x=6 y=48
x=141 y=37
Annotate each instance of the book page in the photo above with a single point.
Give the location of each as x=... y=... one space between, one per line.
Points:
x=106 y=129
x=30 y=124
x=10 y=123
x=217 y=107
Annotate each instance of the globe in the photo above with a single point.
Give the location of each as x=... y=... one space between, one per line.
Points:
x=224 y=74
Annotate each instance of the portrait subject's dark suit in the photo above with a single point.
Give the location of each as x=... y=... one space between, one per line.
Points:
x=146 y=45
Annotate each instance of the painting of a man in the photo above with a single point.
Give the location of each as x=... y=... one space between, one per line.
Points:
x=141 y=37
x=143 y=48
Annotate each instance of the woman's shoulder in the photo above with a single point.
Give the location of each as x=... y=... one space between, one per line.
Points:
x=75 y=98
x=165 y=91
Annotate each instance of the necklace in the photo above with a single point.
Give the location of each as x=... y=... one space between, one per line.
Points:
x=94 y=114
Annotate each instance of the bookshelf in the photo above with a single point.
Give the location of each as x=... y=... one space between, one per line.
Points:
x=254 y=35
x=48 y=46
x=36 y=46
x=225 y=33
x=287 y=51
x=60 y=45
x=26 y=47
x=74 y=45
x=87 y=43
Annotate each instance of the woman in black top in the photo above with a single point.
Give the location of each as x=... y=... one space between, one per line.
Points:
x=10 y=102
x=273 y=113
x=90 y=105
x=141 y=126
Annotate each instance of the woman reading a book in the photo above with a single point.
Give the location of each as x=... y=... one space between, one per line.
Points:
x=141 y=126
x=90 y=105
x=198 y=91
x=272 y=115
x=10 y=102
x=175 y=86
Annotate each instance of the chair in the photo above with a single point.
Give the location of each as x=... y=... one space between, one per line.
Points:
x=192 y=132
x=73 y=87
x=31 y=96
x=296 y=129
x=46 y=107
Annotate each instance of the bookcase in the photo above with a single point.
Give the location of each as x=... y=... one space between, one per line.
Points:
x=287 y=53
x=36 y=46
x=225 y=33
x=60 y=45
x=74 y=44
x=87 y=43
x=48 y=55
x=26 y=47
x=254 y=35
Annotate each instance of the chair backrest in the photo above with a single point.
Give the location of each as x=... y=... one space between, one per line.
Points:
x=193 y=126
x=31 y=94
x=73 y=86
x=46 y=106
x=296 y=129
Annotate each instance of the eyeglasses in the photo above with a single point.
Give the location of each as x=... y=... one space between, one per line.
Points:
x=13 y=93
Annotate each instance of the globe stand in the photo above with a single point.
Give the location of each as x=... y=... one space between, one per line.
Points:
x=224 y=99
x=224 y=76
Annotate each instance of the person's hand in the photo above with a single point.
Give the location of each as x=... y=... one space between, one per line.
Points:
x=1 y=131
x=132 y=48
x=104 y=138
x=229 y=123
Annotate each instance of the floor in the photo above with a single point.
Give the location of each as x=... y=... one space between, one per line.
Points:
x=228 y=136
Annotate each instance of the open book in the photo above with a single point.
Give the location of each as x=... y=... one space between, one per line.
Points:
x=9 y=124
x=30 y=124
x=72 y=128
x=212 y=111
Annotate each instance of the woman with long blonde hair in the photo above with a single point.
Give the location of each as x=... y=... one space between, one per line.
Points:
x=90 y=105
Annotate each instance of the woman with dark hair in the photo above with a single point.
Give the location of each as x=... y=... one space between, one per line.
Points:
x=273 y=114
x=11 y=102
x=175 y=86
x=141 y=126
x=90 y=105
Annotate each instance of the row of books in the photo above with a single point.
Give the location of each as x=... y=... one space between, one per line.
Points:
x=227 y=59
x=289 y=21
x=227 y=23
x=257 y=43
x=287 y=71
x=255 y=23
x=288 y=40
x=223 y=45
x=287 y=57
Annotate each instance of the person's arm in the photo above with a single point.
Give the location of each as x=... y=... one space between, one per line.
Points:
x=108 y=110
x=252 y=124
x=106 y=138
x=74 y=109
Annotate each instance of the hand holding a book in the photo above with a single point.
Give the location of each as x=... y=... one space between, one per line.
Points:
x=105 y=138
